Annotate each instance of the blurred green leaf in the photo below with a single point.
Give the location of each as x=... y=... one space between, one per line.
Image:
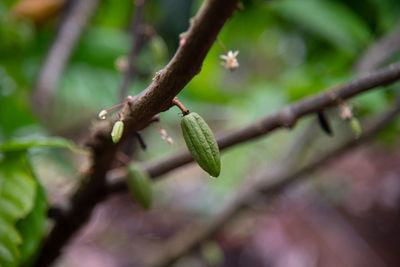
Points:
x=330 y=20
x=387 y=13
x=371 y=102
x=159 y=50
x=17 y=194
x=114 y=13
x=100 y=46
x=14 y=113
x=52 y=142
x=32 y=228
x=14 y=34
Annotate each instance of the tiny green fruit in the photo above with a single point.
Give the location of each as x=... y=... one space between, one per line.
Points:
x=356 y=127
x=139 y=185
x=201 y=143
x=117 y=131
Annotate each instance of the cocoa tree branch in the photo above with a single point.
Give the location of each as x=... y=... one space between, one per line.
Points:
x=380 y=51
x=284 y=118
x=185 y=64
x=269 y=186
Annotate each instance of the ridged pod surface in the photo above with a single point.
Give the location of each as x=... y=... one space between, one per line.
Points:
x=201 y=143
x=139 y=185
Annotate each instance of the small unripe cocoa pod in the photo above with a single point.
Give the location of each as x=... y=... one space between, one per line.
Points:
x=117 y=131
x=201 y=143
x=139 y=185
x=355 y=126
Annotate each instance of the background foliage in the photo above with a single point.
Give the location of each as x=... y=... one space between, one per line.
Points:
x=288 y=50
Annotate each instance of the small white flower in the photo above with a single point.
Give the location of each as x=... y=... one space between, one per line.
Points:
x=163 y=133
x=231 y=62
x=103 y=114
x=121 y=63
x=345 y=112
x=169 y=140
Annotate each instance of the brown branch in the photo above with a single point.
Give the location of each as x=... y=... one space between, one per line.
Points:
x=67 y=37
x=269 y=186
x=156 y=98
x=138 y=39
x=286 y=117
x=380 y=51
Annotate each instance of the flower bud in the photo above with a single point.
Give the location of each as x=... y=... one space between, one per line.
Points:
x=169 y=140
x=103 y=114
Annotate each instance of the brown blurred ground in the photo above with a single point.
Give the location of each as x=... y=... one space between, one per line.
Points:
x=348 y=216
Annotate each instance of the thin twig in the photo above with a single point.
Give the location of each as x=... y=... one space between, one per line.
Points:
x=179 y=104
x=221 y=44
x=380 y=51
x=269 y=186
x=70 y=30
x=138 y=39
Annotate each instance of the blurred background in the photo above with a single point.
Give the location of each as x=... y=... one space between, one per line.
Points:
x=345 y=214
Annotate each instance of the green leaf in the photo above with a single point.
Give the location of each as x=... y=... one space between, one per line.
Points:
x=53 y=142
x=32 y=228
x=159 y=50
x=9 y=238
x=330 y=20
x=17 y=194
x=21 y=115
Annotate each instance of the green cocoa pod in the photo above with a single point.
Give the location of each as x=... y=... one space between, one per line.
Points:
x=139 y=185
x=117 y=131
x=201 y=143
x=356 y=127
